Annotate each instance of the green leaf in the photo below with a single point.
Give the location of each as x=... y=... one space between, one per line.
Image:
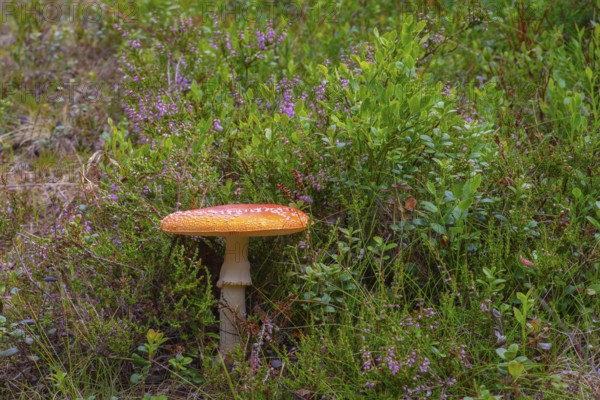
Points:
x=11 y=351
x=428 y=206
x=154 y=336
x=508 y=354
x=168 y=145
x=589 y=73
x=323 y=69
x=519 y=315
x=135 y=378
x=437 y=352
x=431 y=188
x=414 y=105
x=515 y=368
x=593 y=221
x=501 y=352
x=475 y=183
x=465 y=204
x=139 y=360
x=458 y=214
x=593 y=289
x=512 y=349
x=17 y=333
x=522 y=297
x=438 y=228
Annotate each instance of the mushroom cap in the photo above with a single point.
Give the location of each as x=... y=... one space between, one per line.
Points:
x=236 y=220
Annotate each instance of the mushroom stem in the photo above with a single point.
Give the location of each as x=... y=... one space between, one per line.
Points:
x=233 y=299
x=236 y=268
x=235 y=275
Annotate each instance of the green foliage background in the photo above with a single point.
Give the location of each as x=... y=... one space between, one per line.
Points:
x=446 y=153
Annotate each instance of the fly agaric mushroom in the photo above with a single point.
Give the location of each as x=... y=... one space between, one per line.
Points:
x=236 y=223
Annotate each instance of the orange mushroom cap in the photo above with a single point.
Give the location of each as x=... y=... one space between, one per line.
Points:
x=237 y=220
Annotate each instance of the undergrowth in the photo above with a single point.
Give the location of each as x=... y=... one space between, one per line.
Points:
x=447 y=155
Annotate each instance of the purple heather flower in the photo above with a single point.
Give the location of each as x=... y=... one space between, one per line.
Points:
x=260 y=40
x=217 y=125
x=366 y=357
x=320 y=91
x=392 y=363
x=270 y=34
x=305 y=198
x=287 y=105
x=484 y=306
x=425 y=366
x=116 y=240
x=228 y=45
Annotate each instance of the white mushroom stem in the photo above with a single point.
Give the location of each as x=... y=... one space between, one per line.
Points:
x=234 y=277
